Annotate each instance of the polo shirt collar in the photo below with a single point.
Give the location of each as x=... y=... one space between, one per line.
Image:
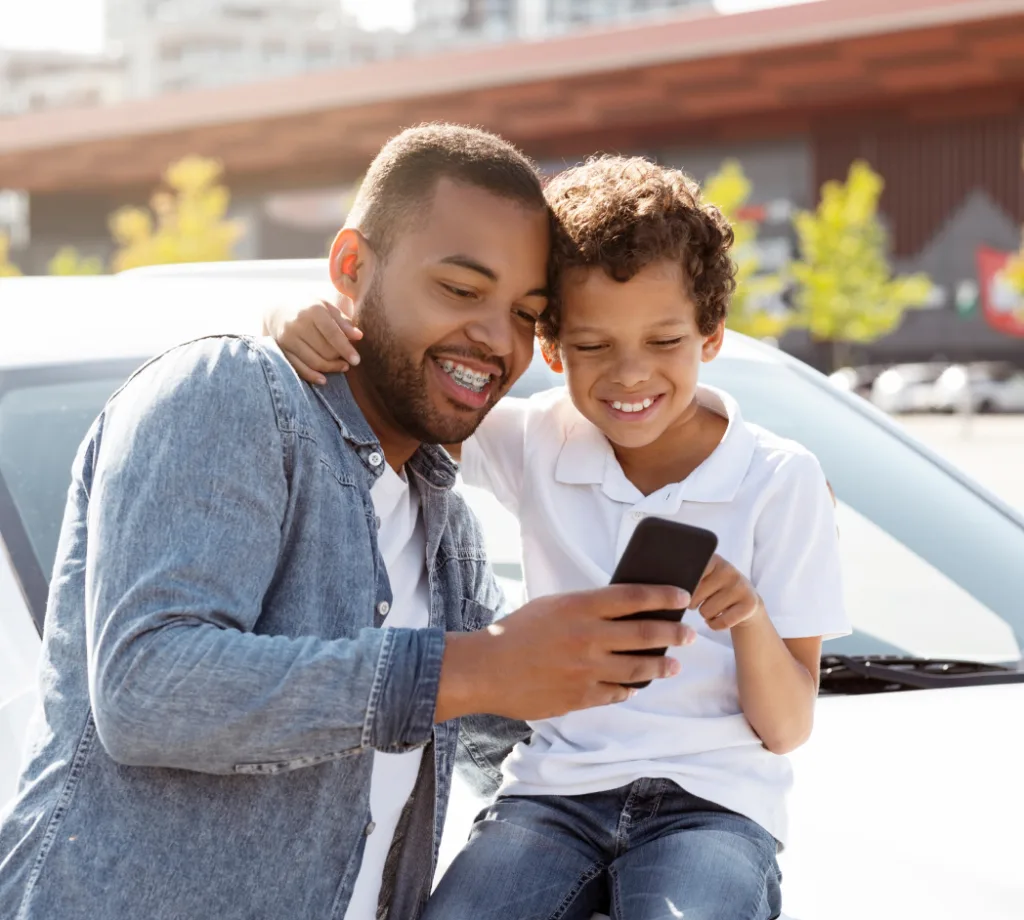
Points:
x=587 y=458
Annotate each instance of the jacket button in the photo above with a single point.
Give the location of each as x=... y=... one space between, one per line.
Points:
x=376 y=459
x=370 y=828
x=376 y=521
x=383 y=608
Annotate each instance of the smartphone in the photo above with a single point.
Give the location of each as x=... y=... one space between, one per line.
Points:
x=664 y=552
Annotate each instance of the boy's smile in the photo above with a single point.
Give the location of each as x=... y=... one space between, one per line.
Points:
x=631 y=351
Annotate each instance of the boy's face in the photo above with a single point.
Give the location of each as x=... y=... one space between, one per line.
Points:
x=631 y=350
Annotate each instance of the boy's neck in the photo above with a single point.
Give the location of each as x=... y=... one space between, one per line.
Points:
x=683 y=447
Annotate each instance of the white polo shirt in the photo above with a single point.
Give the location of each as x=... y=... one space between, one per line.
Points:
x=766 y=499
x=402 y=540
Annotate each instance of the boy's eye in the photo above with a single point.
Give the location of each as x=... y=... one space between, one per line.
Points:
x=587 y=347
x=669 y=342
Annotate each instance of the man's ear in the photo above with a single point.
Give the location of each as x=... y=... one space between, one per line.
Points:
x=352 y=262
x=552 y=356
x=713 y=343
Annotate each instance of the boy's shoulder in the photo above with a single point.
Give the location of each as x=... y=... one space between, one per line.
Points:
x=780 y=460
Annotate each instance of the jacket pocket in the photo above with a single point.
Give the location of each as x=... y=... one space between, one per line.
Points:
x=475 y=615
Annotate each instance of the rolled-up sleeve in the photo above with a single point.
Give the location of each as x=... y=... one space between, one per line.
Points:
x=188 y=495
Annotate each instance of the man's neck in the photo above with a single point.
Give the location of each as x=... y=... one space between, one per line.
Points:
x=398 y=446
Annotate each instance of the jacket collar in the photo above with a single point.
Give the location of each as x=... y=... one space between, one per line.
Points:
x=431 y=463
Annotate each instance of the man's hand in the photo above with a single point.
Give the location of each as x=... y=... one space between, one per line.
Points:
x=724 y=597
x=559 y=653
x=316 y=340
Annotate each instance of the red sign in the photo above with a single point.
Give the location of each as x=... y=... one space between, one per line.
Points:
x=1002 y=306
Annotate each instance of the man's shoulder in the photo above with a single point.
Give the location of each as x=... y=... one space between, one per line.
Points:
x=236 y=371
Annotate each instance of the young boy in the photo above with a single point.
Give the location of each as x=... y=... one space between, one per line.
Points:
x=671 y=804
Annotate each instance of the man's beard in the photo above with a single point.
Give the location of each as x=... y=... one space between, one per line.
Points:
x=402 y=387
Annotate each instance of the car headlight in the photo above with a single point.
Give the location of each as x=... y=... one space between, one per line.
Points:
x=953 y=378
x=890 y=382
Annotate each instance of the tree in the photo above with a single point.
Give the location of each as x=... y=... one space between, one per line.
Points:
x=68 y=261
x=186 y=221
x=729 y=189
x=846 y=292
x=7 y=268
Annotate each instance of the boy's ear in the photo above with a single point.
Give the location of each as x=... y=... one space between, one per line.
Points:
x=552 y=356
x=713 y=343
x=352 y=262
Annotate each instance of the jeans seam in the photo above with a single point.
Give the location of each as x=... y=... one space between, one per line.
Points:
x=588 y=875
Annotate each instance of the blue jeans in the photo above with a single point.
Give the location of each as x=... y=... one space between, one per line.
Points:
x=646 y=851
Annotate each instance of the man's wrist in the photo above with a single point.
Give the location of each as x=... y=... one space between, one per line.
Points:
x=463 y=685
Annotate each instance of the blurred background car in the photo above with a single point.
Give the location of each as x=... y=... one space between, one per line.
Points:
x=990 y=386
x=907 y=388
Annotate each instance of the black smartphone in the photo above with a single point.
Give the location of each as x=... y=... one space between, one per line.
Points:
x=664 y=552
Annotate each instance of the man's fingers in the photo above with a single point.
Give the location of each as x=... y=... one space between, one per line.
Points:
x=634 y=635
x=621 y=600
x=636 y=669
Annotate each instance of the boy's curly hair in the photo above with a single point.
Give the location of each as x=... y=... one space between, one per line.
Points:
x=624 y=213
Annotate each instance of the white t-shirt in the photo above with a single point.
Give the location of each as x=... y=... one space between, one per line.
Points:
x=403 y=546
x=766 y=499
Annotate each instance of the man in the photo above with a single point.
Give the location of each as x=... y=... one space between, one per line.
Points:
x=228 y=728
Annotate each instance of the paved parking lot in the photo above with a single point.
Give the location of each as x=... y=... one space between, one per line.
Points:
x=989 y=448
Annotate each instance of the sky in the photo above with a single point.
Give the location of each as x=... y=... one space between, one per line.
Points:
x=77 y=25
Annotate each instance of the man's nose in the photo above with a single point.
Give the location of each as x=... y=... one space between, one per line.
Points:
x=493 y=330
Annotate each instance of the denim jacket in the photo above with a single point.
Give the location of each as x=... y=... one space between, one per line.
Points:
x=214 y=679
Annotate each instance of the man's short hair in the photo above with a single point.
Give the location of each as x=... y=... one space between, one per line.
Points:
x=404 y=175
x=620 y=214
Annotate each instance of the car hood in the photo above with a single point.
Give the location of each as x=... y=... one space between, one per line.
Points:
x=906 y=805
x=909 y=805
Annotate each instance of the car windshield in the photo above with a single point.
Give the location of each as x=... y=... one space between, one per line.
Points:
x=931 y=567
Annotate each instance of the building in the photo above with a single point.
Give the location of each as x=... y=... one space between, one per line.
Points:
x=930 y=92
x=442 y=23
x=34 y=80
x=175 y=45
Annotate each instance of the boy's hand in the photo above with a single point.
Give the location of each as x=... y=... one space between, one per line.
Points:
x=316 y=340
x=725 y=598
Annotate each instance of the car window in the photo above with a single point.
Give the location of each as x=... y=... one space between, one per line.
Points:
x=44 y=415
x=930 y=567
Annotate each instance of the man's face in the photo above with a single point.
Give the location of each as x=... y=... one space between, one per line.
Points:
x=449 y=315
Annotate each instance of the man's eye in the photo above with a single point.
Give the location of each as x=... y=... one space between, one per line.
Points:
x=457 y=291
x=526 y=316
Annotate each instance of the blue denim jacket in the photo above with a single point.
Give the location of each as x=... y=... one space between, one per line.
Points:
x=214 y=679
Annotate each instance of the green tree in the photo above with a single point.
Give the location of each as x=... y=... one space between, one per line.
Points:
x=186 y=221
x=7 y=268
x=846 y=292
x=729 y=189
x=68 y=261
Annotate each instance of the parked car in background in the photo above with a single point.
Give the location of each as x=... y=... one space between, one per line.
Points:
x=858 y=380
x=907 y=800
x=907 y=388
x=989 y=386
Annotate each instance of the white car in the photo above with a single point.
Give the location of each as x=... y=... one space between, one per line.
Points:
x=988 y=386
x=908 y=802
x=907 y=388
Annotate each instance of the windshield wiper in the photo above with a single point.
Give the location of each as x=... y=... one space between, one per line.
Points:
x=850 y=674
